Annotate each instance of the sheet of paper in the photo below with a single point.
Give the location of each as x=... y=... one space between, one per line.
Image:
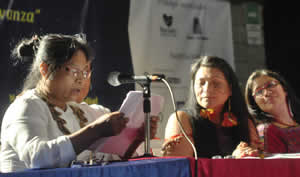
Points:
x=283 y=156
x=132 y=107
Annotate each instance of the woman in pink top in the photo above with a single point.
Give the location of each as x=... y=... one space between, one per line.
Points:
x=272 y=101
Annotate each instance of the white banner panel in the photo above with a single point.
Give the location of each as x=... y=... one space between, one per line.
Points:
x=166 y=36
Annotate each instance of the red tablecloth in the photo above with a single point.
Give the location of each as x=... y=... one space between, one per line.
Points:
x=246 y=167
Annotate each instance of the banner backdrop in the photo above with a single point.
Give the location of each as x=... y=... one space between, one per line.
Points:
x=166 y=36
x=104 y=22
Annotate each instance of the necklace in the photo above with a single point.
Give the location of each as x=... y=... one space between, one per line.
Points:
x=229 y=120
x=79 y=114
x=282 y=124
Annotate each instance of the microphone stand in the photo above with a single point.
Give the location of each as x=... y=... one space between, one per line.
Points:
x=115 y=79
x=147 y=110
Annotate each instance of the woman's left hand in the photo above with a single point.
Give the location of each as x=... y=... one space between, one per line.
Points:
x=153 y=128
x=141 y=136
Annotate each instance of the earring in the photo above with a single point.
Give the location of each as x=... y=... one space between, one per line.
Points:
x=229 y=120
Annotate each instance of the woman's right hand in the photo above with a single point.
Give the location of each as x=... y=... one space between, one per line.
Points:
x=169 y=145
x=111 y=124
x=244 y=150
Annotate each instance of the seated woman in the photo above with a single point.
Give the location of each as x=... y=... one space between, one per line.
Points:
x=215 y=117
x=272 y=101
x=41 y=129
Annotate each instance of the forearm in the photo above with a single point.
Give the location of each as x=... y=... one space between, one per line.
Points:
x=177 y=147
x=32 y=144
x=183 y=152
x=38 y=153
x=86 y=136
x=132 y=148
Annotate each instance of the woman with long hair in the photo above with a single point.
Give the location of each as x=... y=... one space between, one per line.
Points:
x=215 y=117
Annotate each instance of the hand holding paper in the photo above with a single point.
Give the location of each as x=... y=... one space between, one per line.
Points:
x=132 y=107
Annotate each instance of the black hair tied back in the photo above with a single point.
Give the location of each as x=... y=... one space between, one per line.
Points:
x=26 y=49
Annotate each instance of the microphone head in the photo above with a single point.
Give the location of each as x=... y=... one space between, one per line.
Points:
x=113 y=79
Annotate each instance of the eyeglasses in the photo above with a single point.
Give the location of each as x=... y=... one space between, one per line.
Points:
x=77 y=72
x=268 y=85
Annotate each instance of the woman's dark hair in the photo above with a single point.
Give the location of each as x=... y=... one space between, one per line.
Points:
x=238 y=106
x=254 y=109
x=52 y=49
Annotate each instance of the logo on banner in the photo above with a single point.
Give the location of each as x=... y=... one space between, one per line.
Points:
x=197 y=31
x=197 y=26
x=18 y=15
x=167 y=29
x=168 y=20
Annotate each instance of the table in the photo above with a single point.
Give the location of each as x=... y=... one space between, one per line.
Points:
x=157 y=167
x=177 y=167
x=246 y=167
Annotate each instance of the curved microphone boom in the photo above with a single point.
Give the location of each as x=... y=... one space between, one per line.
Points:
x=116 y=78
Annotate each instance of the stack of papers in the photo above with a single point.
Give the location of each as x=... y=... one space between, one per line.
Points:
x=132 y=107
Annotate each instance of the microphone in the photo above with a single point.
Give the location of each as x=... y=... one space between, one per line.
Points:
x=116 y=78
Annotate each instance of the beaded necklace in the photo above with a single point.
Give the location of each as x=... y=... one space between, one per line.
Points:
x=79 y=114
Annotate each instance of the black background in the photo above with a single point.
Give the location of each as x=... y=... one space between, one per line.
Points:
x=282 y=39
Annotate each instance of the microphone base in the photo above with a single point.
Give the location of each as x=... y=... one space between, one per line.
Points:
x=146 y=155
